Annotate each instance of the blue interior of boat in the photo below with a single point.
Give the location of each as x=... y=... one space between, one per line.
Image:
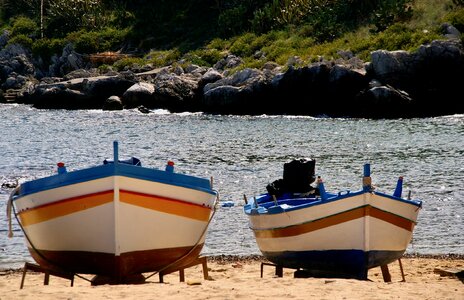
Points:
x=131 y=161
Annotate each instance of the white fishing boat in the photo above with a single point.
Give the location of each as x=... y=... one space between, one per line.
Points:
x=116 y=220
x=342 y=234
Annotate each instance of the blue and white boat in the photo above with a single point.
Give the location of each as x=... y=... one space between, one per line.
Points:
x=326 y=234
x=116 y=220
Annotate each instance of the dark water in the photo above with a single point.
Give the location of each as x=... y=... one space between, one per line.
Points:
x=244 y=154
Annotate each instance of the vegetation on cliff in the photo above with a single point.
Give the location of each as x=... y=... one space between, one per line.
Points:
x=203 y=31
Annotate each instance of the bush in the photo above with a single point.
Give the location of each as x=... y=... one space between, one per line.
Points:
x=46 y=48
x=218 y=44
x=243 y=45
x=456 y=18
x=399 y=37
x=204 y=57
x=21 y=39
x=97 y=41
x=25 y=26
x=128 y=63
x=162 y=58
x=67 y=15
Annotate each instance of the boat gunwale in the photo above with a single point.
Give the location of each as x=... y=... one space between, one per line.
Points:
x=108 y=170
x=250 y=210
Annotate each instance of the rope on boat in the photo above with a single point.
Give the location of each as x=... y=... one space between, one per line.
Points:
x=196 y=243
x=9 y=207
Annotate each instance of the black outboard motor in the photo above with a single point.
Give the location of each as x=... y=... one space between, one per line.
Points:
x=298 y=176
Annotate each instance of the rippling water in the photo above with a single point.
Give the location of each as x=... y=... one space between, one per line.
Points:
x=243 y=154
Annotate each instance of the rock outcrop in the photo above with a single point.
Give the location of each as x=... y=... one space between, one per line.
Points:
x=394 y=84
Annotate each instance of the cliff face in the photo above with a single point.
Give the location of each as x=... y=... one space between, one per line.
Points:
x=394 y=84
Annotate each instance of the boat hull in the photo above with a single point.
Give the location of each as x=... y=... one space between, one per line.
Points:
x=333 y=263
x=115 y=220
x=342 y=236
x=120 y=268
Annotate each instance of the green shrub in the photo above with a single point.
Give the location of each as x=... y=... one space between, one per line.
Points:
x=108 y=39
x=243 y=45
x=390 y=11
x=456 y=18
x=218 y=44
x=204 y=57
x=46 y=48
x=66 y=15
x=399 y=37
x=162 y=58
x=104 y=68
x=25 y=26
x=128 y=62
x=21 y=39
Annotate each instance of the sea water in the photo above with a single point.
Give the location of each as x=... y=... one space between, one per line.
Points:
x=243 y=154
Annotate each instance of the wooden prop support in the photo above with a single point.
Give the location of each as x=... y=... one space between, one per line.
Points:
x=47 y=272
x=201 y=260
x=279 y=270
x=386 y=273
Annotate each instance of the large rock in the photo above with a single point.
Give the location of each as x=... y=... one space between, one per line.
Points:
x=15 y=59
x=176 y=93
x=242 y=93
x=59 y=97
x=383 y=102
x=80 y=93
x=113 y=103
x=138 y=94
x=432 y=73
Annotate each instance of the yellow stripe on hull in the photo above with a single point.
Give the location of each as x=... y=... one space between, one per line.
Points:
x=166 y=205
x=73 y=205
x=343 y=217
x=64 y=207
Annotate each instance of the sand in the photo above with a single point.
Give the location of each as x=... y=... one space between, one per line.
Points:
x=239 y=278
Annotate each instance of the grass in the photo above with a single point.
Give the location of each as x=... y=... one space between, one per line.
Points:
x=279 y=46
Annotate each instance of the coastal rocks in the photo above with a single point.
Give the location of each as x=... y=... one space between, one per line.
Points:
x=59 y=96
x=433 y=72
x=175 y=93
x=113 y=103
x=14 y=61
x=383 y=101
x=394 y=84
x=241 y=93
x=68 y=61
x=140 y=93
x=79 y=93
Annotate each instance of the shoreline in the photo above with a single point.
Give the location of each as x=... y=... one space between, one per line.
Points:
x=223 y=259
x=232 y=277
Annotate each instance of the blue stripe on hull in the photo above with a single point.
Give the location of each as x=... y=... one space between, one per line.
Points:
x=333 y=263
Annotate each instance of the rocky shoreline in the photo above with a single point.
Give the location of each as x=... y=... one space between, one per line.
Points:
x=394 y=84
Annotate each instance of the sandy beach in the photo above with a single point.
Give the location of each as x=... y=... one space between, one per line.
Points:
x=239 y=278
